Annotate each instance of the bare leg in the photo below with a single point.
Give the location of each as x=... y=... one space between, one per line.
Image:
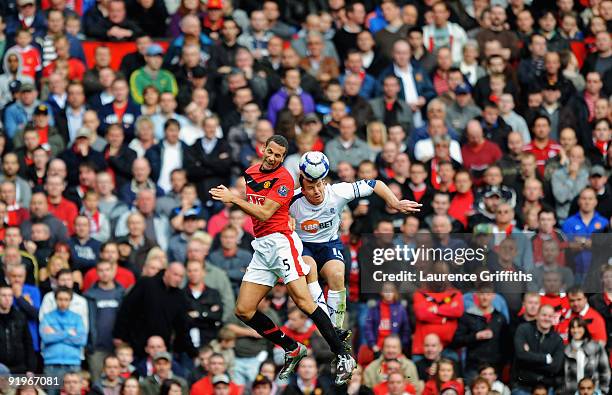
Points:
x=248 y=298
x=246 y=310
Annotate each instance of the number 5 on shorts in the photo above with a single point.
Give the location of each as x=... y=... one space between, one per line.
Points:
x=286 y=264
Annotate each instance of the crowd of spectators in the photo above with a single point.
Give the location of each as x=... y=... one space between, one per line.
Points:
x=118 y=272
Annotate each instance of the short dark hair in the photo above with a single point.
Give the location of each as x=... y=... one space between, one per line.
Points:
x=171 y=122
x=415 y=29
x=547 y=211
x=575 y=290
x=288 y=69
x=490 y=104
x=62 y=272
x=280 y=140
x=540 y=116
x=88 y=165
x=59 y=290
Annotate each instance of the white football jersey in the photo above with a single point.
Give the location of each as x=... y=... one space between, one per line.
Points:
x=320 y=224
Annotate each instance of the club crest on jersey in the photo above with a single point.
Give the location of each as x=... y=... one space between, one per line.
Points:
x=267 y=184
x=282 y=190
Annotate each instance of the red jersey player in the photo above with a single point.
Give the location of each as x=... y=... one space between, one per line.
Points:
x=269 y=189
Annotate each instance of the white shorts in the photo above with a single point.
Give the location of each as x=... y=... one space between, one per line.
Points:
x=276 y=256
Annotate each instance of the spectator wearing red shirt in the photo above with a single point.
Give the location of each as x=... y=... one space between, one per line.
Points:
x=579 y=307
x=444 y=61
x=31 y=61
x=62 y=208
x=602 y=301
x=218 y=221
x=110 y=252
x=542 y=146
x=437 y=309
x=386 y=317
x=75 y=68
x=216 y=366
x=479 y=152
x=3 y=216
x=445 y=378
x=298 y=327
x=553 y=283
x=15 y=214
x=396 y=383
x=547 y=231
x=462 y=202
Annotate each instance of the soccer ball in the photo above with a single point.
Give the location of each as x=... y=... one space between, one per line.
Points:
x=314 y=165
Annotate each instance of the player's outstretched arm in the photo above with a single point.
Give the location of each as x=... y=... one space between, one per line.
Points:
x=404 y=206
x=259 y=212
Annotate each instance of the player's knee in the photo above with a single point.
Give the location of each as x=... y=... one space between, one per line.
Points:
x=243 y=314
x=336 y=281
x=307 y=305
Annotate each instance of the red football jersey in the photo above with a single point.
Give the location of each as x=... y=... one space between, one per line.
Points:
x=276 y=185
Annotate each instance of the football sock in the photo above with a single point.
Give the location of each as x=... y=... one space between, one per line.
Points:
x=317 y=295
x=268 y=330
x=324 y=325
x=336 y=301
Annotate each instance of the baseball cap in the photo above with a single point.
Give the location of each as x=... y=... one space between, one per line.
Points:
x=15 y=86
x=21 y=3
x=311 y=117
x=214 y=4
x=220 y=379
x=463 y=89
x=4 y=369
x=261 y=380
x=154 y=50
x=41 y=109
x=598 y=171
x=492 y=191
x=83 y=132
x=192 y=213
x=482 y=229
x=162 y=355
x=27 y=87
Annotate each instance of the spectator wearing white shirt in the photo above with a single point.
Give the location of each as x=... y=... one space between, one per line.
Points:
x=167 y=155
x=167 y=110
x=424 y=149
x=78 y=304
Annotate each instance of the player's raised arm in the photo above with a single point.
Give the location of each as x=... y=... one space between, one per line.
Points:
x=260 y=212
x=404 y=206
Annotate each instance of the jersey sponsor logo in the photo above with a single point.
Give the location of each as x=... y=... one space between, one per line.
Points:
x=313 y=226
x=282 y=191
x=256 y=199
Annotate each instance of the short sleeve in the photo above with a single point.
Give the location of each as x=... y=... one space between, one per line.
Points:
x=282 y=191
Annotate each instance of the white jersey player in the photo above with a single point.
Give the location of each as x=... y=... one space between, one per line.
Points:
x=316 y=207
